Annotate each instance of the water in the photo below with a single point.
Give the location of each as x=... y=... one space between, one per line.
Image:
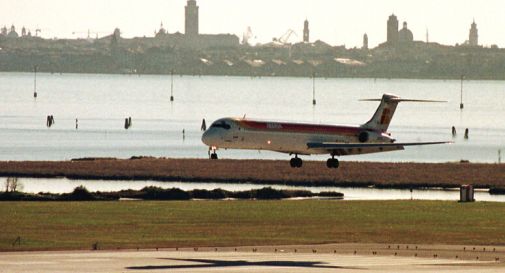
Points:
x=101 y=102
x=63 y=185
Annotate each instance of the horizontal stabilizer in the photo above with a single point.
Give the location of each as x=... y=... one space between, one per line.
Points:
x=384 y=113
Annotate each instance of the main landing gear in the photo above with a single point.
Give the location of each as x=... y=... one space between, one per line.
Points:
x=212 y=155
x=332 y=162
x=296 y=162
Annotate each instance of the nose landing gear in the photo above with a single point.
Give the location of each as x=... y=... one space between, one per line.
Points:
x=212 y=153
x=332 y=162
x=296 y=162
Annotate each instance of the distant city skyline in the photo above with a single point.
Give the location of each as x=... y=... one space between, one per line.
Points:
x=335 y=22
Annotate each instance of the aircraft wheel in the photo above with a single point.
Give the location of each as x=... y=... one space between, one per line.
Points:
x=292 y=163
x=329 y=163
x=296 y=162
x=332 y=163
x=336 y=163
x=213 y=156
x=299 y=162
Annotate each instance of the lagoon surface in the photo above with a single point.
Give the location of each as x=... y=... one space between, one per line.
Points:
x=63 y=185
x=101 y=102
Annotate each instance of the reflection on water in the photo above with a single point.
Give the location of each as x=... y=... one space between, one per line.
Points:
x=101 y=102
x=62 y=185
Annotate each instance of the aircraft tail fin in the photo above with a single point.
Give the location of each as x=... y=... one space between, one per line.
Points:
x=384 y=113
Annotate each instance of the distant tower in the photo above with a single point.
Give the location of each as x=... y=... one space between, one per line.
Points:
x=116 y=36
x=365 y=41
x=162 y=29
x=474 y=35
x=306 y=31
x=161 y=32
x=392 y=30
x=191 y=19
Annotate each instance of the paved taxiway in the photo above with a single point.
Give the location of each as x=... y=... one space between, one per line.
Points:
x=200 y=261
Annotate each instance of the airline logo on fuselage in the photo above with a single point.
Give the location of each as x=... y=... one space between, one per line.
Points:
x=271 y=125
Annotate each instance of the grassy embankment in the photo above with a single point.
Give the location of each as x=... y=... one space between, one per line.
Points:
x=77 y=225
x=356 y=174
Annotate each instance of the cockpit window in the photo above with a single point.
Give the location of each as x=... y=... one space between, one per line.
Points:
x=220 y=124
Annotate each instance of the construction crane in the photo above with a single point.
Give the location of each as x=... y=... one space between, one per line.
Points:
x=283 y=40
x=39 y=30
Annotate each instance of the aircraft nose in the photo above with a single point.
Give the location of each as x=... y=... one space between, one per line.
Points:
x=205 y=137
x=209 y=137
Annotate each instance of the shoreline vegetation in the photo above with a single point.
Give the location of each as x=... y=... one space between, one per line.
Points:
x=267 y=172
x=155 y=193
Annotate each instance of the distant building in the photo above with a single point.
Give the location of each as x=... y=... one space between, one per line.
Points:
x=306 y=32
x=405 y=36
x=216 y=41
x=192 y=38
x=162 y=32
x=13 y=33
x=202 y=41
x=474 y=35
x=392 y=30
x=191 y=16
x=23 y=32
x=115 y=37
x=365 y=41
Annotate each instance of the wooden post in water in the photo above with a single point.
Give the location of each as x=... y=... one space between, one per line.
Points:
x=172 y=85
x=35 y=81
x=461 y=106
x=314 y=88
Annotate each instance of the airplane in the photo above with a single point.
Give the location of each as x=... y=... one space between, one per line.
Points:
x=307 y=139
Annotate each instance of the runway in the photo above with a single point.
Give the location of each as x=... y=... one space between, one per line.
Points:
x=229 y=261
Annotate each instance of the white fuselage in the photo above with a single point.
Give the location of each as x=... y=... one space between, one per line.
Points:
x=231 y=133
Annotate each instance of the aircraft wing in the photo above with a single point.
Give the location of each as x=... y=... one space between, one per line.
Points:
x=364 y=148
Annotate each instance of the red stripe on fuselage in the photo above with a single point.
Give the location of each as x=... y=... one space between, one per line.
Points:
x=299 y=127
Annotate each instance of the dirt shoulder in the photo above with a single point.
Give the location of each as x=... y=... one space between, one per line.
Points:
x=438 y=251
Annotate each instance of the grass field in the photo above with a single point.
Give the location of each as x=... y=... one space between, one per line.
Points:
x=131 y=224
x=401 y=175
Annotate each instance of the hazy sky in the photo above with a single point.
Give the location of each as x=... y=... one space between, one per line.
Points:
x=333 y=21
